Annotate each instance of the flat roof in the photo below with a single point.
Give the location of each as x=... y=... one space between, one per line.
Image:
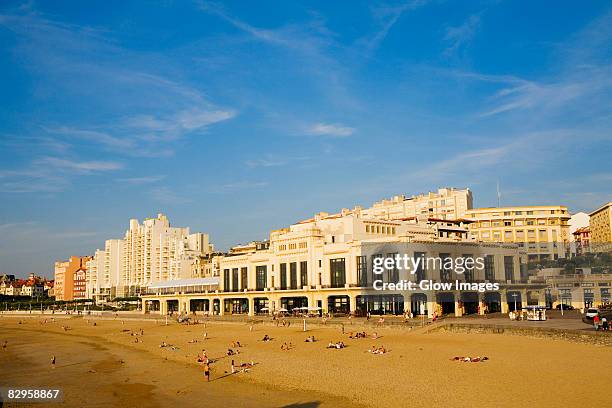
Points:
x=185 y=282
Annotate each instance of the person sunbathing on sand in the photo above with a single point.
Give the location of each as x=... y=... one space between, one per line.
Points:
x=310 y=339
x=338 y=345
x=266 y=338
x=476 y=359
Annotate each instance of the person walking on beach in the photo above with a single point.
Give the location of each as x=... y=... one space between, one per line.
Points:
x=52 y=361
x=207 y=372
x=596 y=322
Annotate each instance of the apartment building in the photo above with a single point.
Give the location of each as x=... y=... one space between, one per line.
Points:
x=94 y=266
x=79 y=291
x=600 y=222
x=65 y=274
x=542 y=231
x=326 y=263
x=154 y=252
x=445 y=204
x=582 y=240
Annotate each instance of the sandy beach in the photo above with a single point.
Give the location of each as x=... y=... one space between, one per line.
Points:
x=102 y=365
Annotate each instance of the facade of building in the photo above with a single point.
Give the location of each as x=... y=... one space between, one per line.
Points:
x=150 y=252
x=582 y=239
x=79 y=291
x=445 y=204
x=32 y=289
x=326 y=263
x=64 y=287
x=95 y=266
x=600 y=222
x=542 y=231
x=155 y=252
x=582 y=289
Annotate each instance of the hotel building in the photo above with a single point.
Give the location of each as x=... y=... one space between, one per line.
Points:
x=600 y=222
x=542 y=231
x=445 y=204
x=150 y=252
x=326 y=264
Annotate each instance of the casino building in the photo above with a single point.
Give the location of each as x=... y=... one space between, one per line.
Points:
x=325 y=264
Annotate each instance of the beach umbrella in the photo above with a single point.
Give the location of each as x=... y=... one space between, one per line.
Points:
x=282 y=309
x=314 y=308
x=264 y=309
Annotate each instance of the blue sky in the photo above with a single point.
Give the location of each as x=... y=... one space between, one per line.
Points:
x=235 y=118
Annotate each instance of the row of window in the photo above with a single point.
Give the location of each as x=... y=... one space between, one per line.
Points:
x=516 y=223
x=293 y=246
x=287 y=281
x=380 y=229
x=509 y=213
x=365 y=275
x=520 y=234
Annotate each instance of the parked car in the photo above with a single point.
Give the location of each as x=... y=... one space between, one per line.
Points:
x=591 y=312
x=565 y=307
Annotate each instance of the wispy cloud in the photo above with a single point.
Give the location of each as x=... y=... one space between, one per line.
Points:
x=242 y=185
x=141 y=180
x=78 y=167
x=266 y=162
x=177 y=124
x=330 y=129
x=145 y=110
x=386 y=16
x=51 y=174
x=458 y=37
x=168 y=196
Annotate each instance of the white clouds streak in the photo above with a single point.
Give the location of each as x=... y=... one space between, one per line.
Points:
x=330 y=129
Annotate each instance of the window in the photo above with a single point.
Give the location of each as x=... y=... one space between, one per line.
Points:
x=293 y=275
x=507 y=223
x=489 y=265
x=283 y=276
x=445 y=272
x=304 y=273
x=261 y=277
x=393 y=273
x=509 y=268
x=420 y=271
x=234 y=279
x=244 y=278
x=506 y=213
x=226 y=280
x=362 y=270
x=337 y=272
x=529 y=212
x=469 y=272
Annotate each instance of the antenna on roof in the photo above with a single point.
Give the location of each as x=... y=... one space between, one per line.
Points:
x=498 y=195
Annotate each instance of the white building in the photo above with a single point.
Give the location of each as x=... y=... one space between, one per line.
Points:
x=445 y=204
x=326 y=263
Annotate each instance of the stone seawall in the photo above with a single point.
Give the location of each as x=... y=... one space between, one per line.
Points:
x=577 y=336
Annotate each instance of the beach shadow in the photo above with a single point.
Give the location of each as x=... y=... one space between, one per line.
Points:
x=313 y=404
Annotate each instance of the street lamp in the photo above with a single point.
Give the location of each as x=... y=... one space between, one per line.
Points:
x=514 y=295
